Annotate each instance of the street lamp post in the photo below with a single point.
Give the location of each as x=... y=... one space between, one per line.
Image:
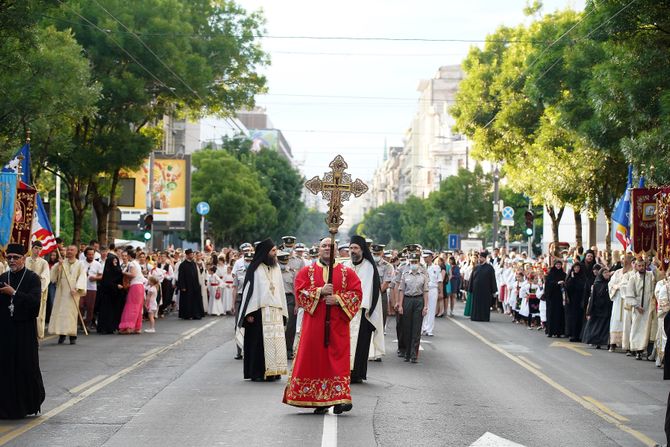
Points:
x=496 y=200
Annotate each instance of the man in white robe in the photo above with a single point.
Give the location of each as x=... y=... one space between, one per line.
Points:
x=262 y=316
x=366 y=329
x=70 y=277
x=435 y=292
x=662 y=293
x=621 y=318
x=41 y=267
x=639 y=297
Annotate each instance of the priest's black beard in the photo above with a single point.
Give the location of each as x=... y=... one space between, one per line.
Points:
x=356 y=259
x=270 y=261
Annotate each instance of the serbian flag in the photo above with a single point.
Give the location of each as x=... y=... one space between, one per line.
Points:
x=621 y=216
x=42 y=229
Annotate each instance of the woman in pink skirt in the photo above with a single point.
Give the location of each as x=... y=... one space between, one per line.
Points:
x=131 y=319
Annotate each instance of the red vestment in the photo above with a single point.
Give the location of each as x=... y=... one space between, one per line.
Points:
x=321 y=375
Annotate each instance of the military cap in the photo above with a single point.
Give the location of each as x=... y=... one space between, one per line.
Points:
x=289 y=241
x=427 y=253
x=343 y=247
x=368 y=241
x=245 y=246
x=377 y=248
x=414 y=257
x=314 y=251
x=413 y=247
x=300 y=247
x=283 y=256
x=387 y=252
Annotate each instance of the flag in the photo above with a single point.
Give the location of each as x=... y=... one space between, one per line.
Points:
x=42 y=229
x=8 y=183
x=621 y=216
x=22 y=158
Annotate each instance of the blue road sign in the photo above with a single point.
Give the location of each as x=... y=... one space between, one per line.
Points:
x=508 y=212
x=202 y=208
x=454 y=242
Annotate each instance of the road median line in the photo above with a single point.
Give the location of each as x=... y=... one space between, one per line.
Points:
x=98 y=386
x=644 y=439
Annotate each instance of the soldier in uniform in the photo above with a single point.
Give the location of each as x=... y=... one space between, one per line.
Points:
x=299 y=251
x=313 y=254
x=288 y=275
x=294 y=261
x=238 y=282
x=413 y=305
x=395 y=299
x=343 y=252
x=385 y=270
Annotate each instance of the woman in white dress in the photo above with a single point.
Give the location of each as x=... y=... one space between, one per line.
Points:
x=227 y=279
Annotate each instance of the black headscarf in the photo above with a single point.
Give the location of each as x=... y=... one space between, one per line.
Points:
x=260 y=255
x=112 y=275
x=376 y=284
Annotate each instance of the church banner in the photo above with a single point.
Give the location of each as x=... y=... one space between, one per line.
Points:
x=643 y=219
x=8 y=182
x=24 y=212
x=663 y=227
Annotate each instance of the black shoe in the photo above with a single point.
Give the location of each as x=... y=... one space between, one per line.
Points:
x=341 y=408
x=321 y=410
x=61 y=339
x=378 y=360
x=73 y=340
x=406 y=359
x=238 y=357
x=414 y=361
x=258 y=379
x=401 y=354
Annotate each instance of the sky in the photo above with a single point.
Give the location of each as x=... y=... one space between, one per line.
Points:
x=354 y=97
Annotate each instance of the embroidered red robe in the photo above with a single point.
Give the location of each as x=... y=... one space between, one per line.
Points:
x=321 y=375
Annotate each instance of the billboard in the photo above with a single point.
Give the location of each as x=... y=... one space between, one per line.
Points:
x=171 y=193
x=264 y=138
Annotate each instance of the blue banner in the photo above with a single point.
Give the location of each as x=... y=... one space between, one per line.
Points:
x=8 y=183
x=621 y=215
x=22 y=159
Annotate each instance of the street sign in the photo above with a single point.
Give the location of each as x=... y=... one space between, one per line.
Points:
x=454 y=242
x=507 y=222
x=507 y=213
x=202 y=208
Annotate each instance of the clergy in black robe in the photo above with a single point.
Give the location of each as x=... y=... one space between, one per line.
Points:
x=190 y=293
x=574 y=309
x=21 y=386
x=553 y=295
x=482 y=286
x=598 y=312
x=360 y=254
x=109 y=300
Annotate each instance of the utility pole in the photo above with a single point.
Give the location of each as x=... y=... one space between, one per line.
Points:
x=496 y=204
x=150 y=201
x=530 y=238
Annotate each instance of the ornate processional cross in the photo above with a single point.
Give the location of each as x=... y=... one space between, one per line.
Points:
x=336 y=187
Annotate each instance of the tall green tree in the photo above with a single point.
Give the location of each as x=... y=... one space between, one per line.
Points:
x=152 y=58
x=312 y=227
x=240 y=207
x=382 y=224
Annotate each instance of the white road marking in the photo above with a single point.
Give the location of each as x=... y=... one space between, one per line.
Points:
x=329 y=437
x=491 y=440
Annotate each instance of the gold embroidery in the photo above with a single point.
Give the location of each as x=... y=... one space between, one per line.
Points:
x=321 y=390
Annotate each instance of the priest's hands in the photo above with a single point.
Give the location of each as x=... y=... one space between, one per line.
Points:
x=327 y=290
x=6 y=289
x=250 y=319
x=330 y=300
x=640 y=309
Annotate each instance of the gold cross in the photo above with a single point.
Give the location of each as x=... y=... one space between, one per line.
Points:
x=336 y=187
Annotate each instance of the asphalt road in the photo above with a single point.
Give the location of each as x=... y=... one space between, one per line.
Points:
x=482 y=384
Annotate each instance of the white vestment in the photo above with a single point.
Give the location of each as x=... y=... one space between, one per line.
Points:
x=617 y=286
x=640 y=292
x=366 y=272
x=41 y=267
x=66 y=307
x=662 y=292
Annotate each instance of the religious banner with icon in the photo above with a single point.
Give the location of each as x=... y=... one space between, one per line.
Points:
x=24 y=212
x=643 y=219
x=663 y=227
x=8 y=181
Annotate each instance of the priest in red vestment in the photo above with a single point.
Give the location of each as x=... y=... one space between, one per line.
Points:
x=320 y=377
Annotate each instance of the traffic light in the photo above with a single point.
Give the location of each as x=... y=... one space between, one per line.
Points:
x=529 y=222
x=147 y=235
x=148 y=221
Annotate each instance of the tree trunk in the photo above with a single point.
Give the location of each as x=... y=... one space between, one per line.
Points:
x=104 y=209
x=78 y=196
x=579 y=238
x=555 y=223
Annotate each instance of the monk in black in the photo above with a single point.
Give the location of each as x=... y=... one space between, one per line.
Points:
x=483 y=286
x=574 y=307
x=110 y=296
x=553 y=295
x=21 y=386
x=190 y=297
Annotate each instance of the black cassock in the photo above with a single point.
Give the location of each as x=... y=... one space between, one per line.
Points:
x=190 y=298
x=599 y=310
x=553 y=295
x=109 y=299
x=482 y=286
x=574 y=310
x=21 y=386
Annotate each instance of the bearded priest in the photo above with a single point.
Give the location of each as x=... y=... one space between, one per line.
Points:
x=367 y=325
x=262 y=316
x=320 y=377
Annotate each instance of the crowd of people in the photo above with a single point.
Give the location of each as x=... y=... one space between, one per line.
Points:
x=289 y=305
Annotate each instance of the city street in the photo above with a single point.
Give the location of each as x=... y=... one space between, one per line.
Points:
x=484 y=384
